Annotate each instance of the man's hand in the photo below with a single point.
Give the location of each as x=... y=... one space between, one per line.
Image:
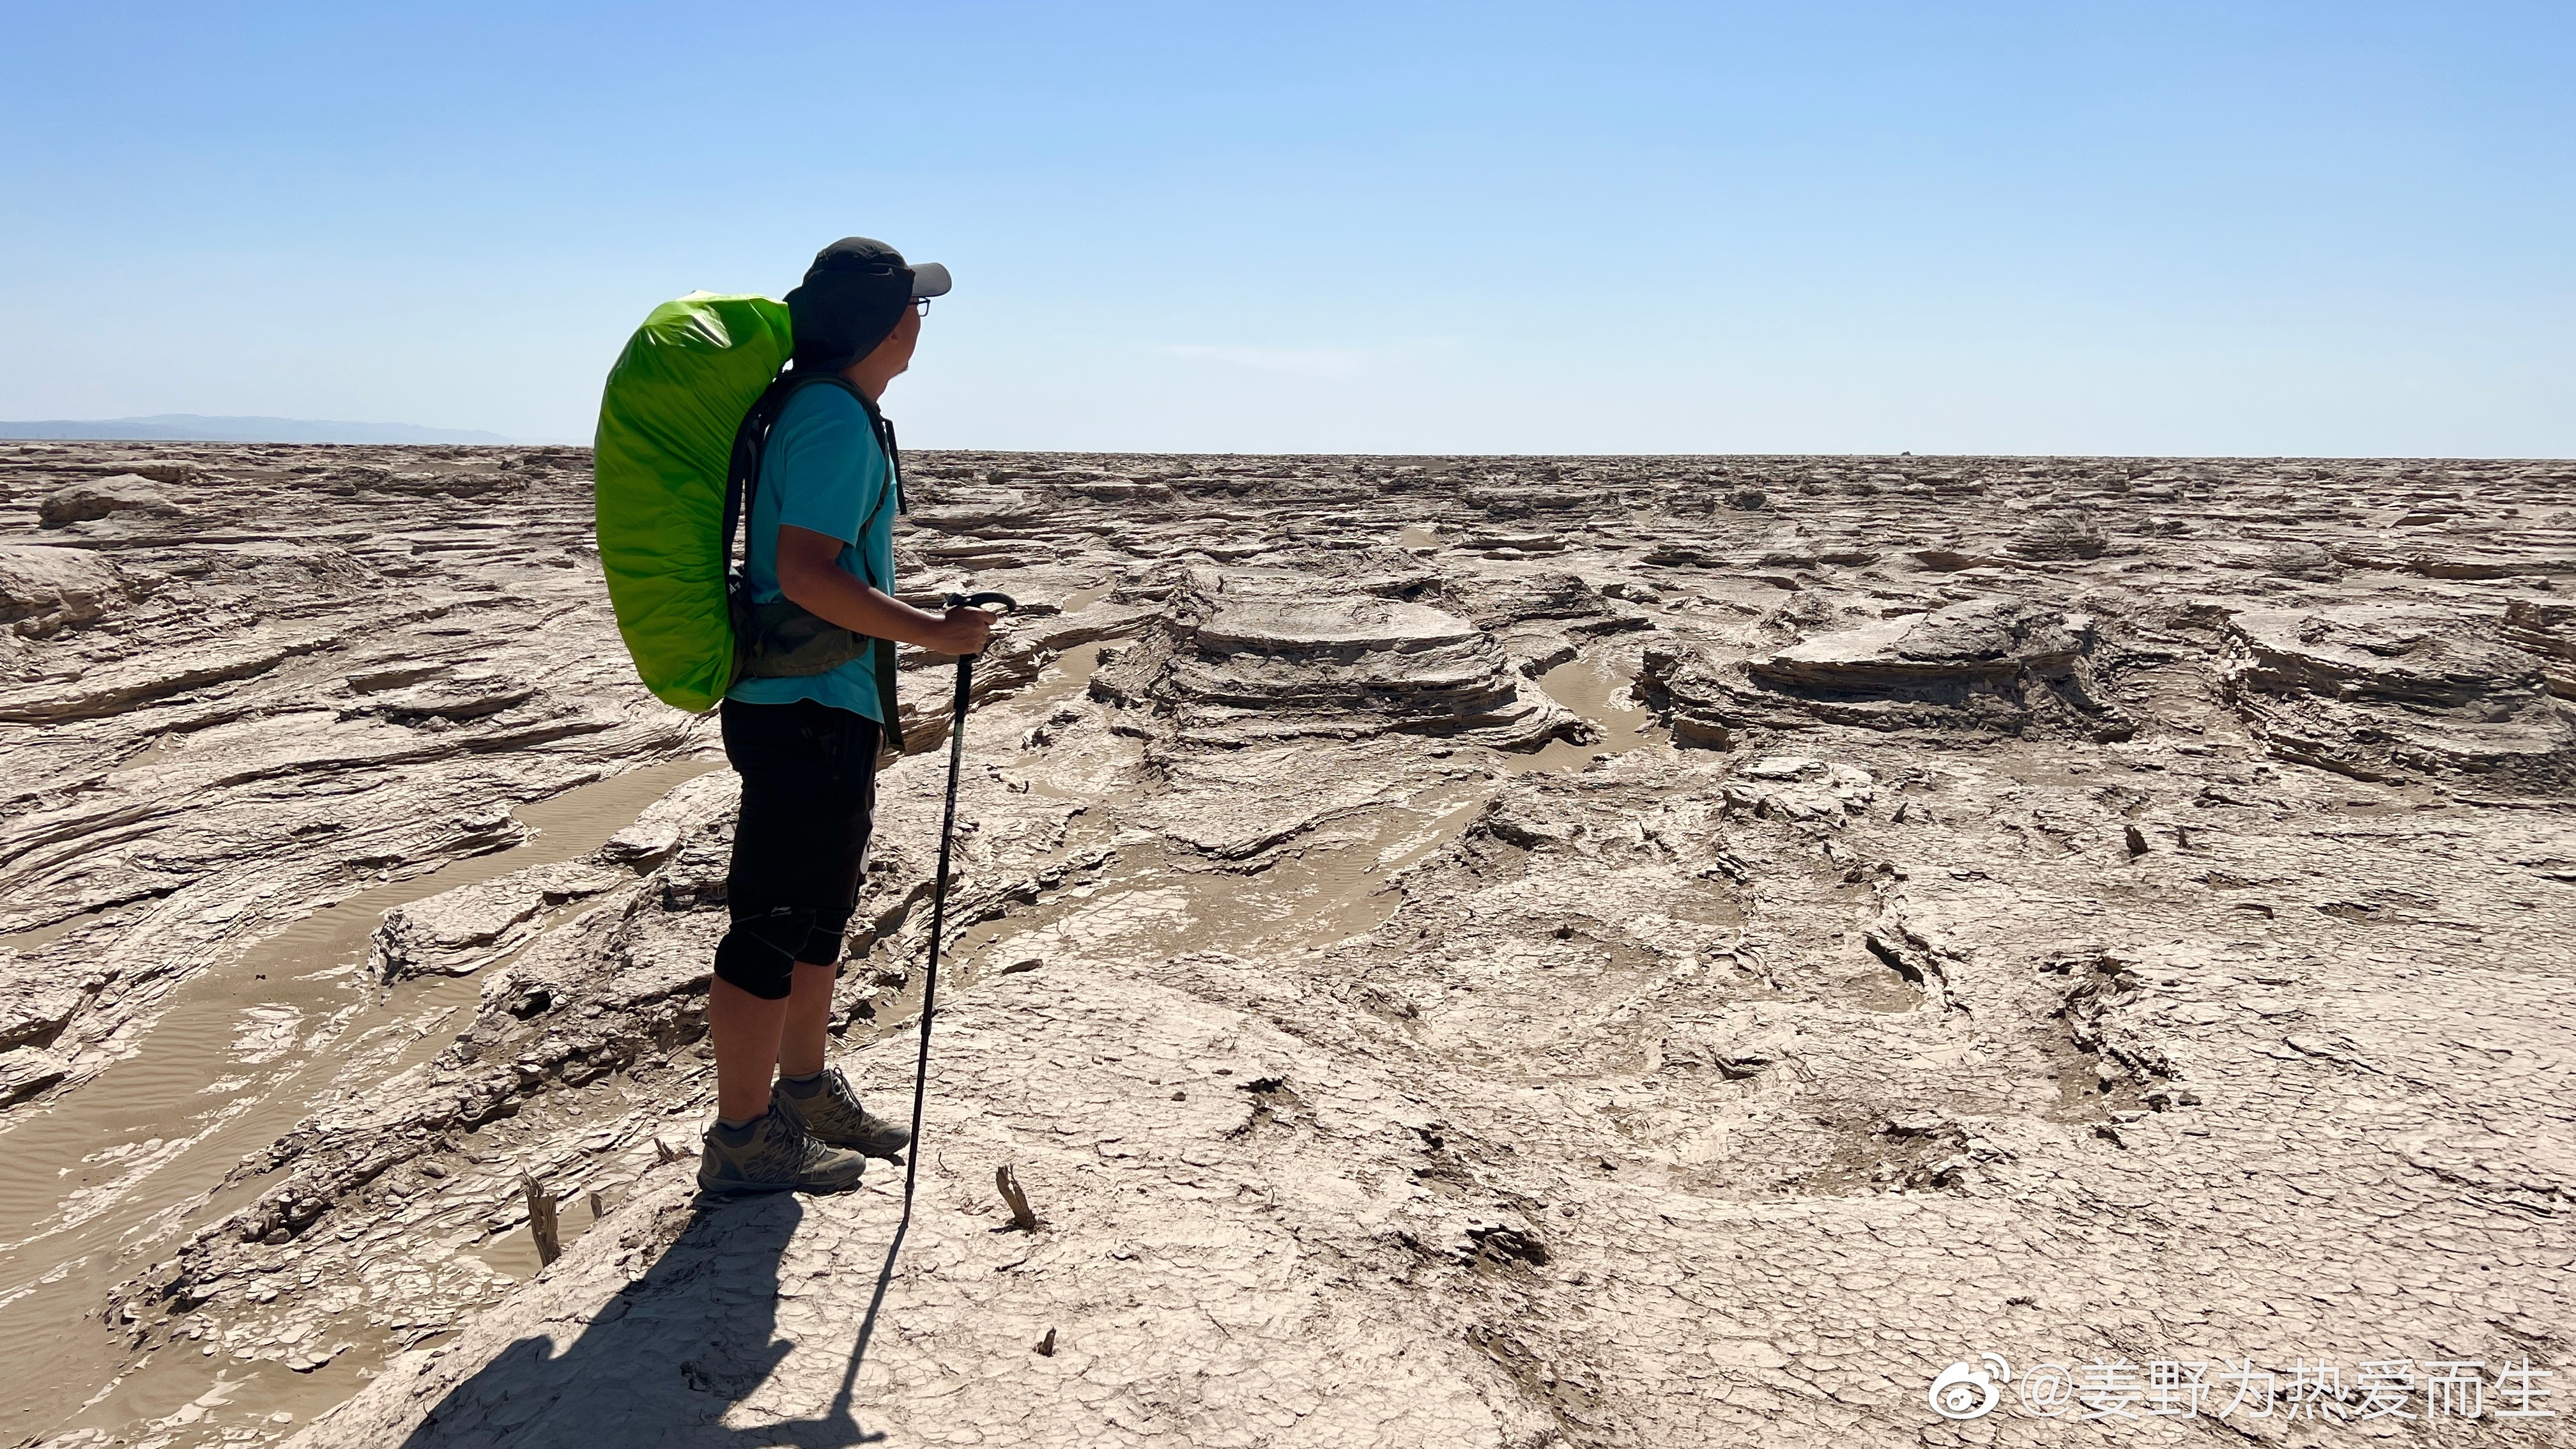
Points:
x=965 y=631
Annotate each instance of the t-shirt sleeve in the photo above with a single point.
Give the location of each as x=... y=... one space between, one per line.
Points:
x=830 y=469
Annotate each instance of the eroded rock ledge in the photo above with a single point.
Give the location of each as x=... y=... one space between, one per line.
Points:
x=2005 y=666
x=1243 y=657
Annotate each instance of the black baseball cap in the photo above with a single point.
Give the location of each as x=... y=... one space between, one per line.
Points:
x=851 y=298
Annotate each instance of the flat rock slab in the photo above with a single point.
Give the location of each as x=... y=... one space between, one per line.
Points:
x=458 y=932
x=45 y=590
x=1282 y=626
x=1987 y=642
x=2395 y=653
x=125 y=493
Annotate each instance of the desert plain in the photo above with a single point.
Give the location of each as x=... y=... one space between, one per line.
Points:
x=1456 y=951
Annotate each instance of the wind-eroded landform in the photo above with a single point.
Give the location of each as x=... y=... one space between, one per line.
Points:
x=1457 y=952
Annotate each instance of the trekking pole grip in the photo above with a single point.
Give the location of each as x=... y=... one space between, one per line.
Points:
x=983 y=599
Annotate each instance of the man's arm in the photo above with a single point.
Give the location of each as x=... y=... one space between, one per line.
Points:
x=811 y=576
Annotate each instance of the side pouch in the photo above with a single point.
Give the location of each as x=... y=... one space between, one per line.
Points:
x=787 y=641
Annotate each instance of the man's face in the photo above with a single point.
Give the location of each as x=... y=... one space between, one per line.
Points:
x=890 y=358
x=900 y=342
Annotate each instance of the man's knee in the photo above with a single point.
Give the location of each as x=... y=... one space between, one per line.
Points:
x=760 y=952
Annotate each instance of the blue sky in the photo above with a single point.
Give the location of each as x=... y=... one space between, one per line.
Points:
x=2238 y=228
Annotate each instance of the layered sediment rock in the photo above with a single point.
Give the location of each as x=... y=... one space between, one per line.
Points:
x=1994 y=665
x=2385 y=690
x=1243 y=657
x=2546 y=627
x=216 y=718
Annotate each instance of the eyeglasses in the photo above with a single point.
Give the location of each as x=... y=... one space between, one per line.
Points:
x=921 y=306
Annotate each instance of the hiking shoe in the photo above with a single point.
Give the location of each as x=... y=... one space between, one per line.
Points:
x=774 y=1154
x=827 y=1108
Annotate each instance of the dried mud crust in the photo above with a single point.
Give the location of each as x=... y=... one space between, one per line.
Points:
x=2128 y=923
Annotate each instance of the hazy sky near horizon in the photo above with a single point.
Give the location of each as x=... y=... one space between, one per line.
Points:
x=2232 y=228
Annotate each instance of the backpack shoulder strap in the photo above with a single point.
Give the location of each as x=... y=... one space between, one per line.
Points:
x=751 y=443
x=885 y=440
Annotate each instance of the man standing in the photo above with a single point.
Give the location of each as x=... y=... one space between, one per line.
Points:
x=821 y=535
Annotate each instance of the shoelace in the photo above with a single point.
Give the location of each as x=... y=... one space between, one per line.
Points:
x=787 y=1135
x=839 y=1086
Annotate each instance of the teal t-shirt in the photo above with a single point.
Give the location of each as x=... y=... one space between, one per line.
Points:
x=823 y=470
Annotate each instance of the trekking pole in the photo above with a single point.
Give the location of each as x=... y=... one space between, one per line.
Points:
x=939 y=887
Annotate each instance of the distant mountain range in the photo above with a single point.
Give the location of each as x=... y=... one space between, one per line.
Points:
x=191 y=428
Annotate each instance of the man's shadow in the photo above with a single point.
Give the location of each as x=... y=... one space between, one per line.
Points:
x=664 y=1359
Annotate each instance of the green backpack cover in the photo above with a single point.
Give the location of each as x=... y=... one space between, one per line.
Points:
x=666 y=433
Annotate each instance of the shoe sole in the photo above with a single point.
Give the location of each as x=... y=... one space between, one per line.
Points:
x=753 y=1189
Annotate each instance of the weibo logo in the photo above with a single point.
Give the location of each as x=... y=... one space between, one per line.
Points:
x=1966 y=1391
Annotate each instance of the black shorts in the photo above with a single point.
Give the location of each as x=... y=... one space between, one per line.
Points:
x=801 y=846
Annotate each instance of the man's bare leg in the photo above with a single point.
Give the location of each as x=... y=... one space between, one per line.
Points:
x=755 y=1037
x=746 y=1030
x=805 y=1036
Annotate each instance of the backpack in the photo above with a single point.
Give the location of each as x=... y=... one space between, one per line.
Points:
x=683 y=421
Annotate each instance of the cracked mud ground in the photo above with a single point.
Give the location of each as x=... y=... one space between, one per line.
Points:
x=1458 y=952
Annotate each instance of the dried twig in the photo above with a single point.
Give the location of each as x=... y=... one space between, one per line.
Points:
x=1009 y=1183
x=541 y=1222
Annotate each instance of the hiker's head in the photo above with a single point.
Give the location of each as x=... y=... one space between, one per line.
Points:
x=889 y=359
x=857 y=305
